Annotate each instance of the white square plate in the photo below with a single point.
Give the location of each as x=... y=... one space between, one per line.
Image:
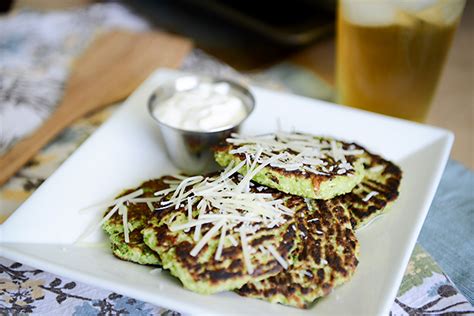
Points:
x=126 y=151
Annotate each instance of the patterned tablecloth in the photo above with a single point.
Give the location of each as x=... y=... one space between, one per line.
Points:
x=36 y=50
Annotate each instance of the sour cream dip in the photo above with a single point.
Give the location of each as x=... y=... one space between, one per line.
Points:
x=195 y=113
x=208 y=108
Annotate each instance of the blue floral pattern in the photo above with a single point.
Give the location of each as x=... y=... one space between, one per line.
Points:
x=24 y=290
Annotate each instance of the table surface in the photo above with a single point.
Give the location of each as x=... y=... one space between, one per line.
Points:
x=24 y=187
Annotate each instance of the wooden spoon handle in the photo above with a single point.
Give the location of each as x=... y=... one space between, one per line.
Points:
x=26 y=148
x=108 y=71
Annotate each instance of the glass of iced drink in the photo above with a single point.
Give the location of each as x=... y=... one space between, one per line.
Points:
x=390 y=53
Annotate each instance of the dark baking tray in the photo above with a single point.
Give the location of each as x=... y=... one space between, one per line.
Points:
x=291 y=23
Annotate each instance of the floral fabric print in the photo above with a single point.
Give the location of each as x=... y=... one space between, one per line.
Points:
x=420 y=267
x=24 y=290
x=426 y=290
x=36 y=51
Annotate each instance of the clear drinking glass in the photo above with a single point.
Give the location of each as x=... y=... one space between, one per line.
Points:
x=390 y=53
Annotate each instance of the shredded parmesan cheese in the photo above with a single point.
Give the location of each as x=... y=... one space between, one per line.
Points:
x=369 y=196
x=262 y=249
x=295 y=151
x=190 y=224
x=224 y=202
x=233 y=241
x=92 y=228
x=120 y=205
x=245 y=250
x=377 y=168
x=277 y=256
x=164 y=191
x=119 y=200
x=206 y=238
x=150 y=206
x=218 y=254
x=125 y=222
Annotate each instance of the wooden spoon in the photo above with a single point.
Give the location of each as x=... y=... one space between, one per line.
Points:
x=110 y=69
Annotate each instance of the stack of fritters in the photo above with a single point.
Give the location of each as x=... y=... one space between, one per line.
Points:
x=326 y=256
x=374 y=194
x=204 y=273
x=329 y=179
x=138 y=215
x=317 y=245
